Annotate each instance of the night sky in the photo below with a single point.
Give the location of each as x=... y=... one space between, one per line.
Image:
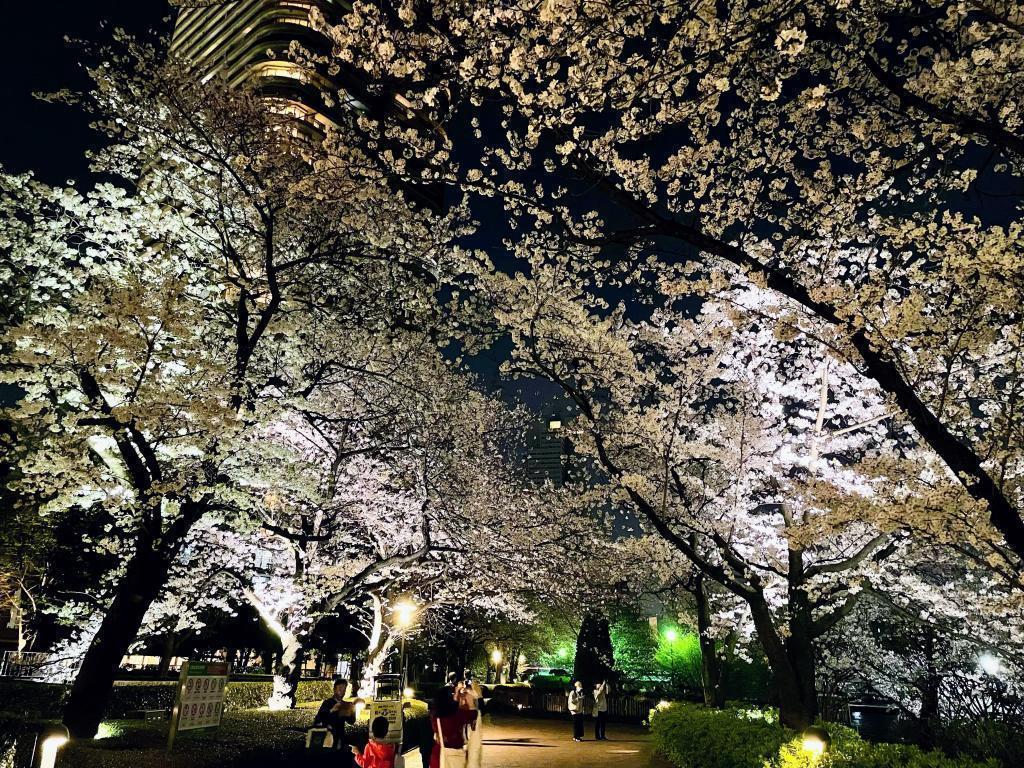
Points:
x=51 y=139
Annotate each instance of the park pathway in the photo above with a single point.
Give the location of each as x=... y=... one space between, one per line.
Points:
x=519 y=742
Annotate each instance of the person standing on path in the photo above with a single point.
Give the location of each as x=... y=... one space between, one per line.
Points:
x=600 y=710
x=577 y=709
x=448 y=723
x=334 y=714
x=468 y=694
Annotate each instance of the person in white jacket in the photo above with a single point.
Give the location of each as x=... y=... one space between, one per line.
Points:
x=600 y=709
x=577 y=709
x=469 y=693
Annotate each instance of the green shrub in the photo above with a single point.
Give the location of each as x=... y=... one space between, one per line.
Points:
x=693 y=736
x=43 y=700
x=36 y=700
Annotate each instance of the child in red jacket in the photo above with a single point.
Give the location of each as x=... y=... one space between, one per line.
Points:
x=377 y=753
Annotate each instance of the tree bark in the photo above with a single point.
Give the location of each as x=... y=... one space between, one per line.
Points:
x=170 y=643
x=144 y=577
x=288 y=672
x=375 y=659
x=797 y=710
x=710 y=664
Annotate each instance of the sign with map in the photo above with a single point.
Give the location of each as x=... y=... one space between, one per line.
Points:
x=199 y=704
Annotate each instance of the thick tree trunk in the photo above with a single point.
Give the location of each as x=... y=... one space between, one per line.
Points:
x=375 y=659
x=143 y=579
x=378 y=650
x=796 y=709
x=800 y=643
x=710 y=664
x=170 y=643
x=288 y=672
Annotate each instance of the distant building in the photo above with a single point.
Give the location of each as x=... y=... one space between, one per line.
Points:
x=246 y=43
x=546 y=451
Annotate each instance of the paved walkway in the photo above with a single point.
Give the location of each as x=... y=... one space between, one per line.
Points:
x=519 y=742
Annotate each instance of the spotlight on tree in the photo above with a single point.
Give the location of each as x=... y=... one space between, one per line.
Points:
x=816 y=741
x=49 y=743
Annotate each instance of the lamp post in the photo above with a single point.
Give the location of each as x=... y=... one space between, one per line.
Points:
x=405 y=613
x=496 y=658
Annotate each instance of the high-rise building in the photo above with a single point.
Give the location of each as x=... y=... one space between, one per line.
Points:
x=546 y=451
x=246 y=43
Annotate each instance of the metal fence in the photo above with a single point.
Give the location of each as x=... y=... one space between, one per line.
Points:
x=626 y=708
x=24 y=664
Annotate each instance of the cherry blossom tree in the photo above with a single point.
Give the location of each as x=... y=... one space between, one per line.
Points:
x=739 y=442
x=164 y=321
x=833 y=152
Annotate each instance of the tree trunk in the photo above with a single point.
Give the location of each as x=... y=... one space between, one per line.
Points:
x=930 y=687
x=143 y=579
x=375 y=658
x=378 y=650
x=170 y=643
x=710 y=664
x=800 y=643
x=289 y=671
x=795 y=709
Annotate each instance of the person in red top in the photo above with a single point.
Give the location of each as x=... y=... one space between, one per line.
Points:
x=377 y=753
x=450 y=722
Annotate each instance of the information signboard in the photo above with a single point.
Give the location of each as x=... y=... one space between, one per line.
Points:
x=392 y=711
x=199 y=704
x=387 y=703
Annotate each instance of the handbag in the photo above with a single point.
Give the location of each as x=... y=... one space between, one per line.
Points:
x=450 y=756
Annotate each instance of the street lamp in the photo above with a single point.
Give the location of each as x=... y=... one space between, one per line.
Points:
x=496 y=658
x=404 y=614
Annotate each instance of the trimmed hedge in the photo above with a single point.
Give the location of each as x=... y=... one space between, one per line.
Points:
x=44 y=700
x=252 y=738
x=694 y=736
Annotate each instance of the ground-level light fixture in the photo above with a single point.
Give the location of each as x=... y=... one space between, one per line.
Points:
x=408 y=693
x=49 y=743
x=815 y=741
x=671 y=635
x=496 y=656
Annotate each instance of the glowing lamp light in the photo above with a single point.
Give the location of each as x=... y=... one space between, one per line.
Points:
x=671 y=635
x=408 y=693
x=51 y=742
x=663 y=704
x=562 y=653
x=990 y=664
x=405 y=611
x=815 y=741
x=360 y=706
x=496 y=656
x=555 y=424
